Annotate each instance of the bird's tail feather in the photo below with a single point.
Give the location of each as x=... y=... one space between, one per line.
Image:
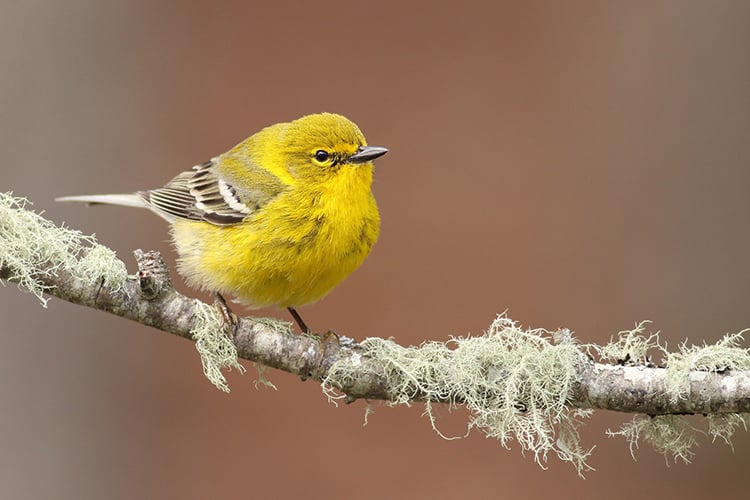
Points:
x=126 y=200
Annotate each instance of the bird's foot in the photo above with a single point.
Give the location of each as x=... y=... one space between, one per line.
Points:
x=231 y=321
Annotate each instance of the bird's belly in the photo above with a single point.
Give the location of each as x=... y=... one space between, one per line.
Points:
x=274 y=262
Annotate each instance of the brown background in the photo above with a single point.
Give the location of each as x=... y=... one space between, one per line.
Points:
x=581 y=164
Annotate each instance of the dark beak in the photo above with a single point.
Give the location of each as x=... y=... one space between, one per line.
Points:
x=366 y=153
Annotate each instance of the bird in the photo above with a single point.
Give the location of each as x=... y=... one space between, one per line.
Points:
x=278 y=220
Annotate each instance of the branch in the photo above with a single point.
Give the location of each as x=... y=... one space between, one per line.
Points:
x=520 y=384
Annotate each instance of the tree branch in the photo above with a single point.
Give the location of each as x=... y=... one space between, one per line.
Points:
x=145 y=300
x=529 y=374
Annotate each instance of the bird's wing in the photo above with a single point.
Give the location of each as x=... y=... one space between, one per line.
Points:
x=202 y=194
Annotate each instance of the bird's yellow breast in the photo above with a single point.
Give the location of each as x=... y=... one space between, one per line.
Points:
x=290 y=252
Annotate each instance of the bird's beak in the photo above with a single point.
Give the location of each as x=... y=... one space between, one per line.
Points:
x=366 y=153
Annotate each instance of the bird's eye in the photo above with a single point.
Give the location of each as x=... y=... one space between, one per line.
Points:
x=321 y=155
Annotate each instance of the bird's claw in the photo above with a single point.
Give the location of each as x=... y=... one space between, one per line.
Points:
x=230 y=320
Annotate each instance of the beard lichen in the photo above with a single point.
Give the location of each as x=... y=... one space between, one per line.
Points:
x=726 y=354
x=724 y=426
x=32 y=248
x=631 y=347
x=515 y=383
x=215 y=347
x=673 y=435
x=668 y=434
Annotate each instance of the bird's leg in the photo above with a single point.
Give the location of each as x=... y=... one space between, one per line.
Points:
x=302 y=326
x=329 y=336
x=231 y=321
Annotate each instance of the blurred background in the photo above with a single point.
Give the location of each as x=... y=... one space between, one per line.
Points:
x=580 y=164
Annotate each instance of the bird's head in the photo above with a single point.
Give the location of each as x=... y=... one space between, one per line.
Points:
x=324 y=146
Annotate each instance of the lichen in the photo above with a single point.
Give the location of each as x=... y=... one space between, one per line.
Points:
x=515 y=383
x=32 y=248
x=262 y=380
x=631 y=346
x=724 y=355
x=670 y=435
x=101 y=263
x=216 y=349
x=724 y=426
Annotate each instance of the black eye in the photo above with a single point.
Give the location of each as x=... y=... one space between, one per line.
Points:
x=321 y=155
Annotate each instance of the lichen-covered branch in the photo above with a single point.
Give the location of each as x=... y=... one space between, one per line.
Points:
x=521 y=384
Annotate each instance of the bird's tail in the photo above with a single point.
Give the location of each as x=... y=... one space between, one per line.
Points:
x=126 y=200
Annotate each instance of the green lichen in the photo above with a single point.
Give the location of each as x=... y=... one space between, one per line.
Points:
x=630 y=347
x=515 y=383
x=216 y=349
x=670 y=435
x=33 y=248
x=262 y=380
x=724 y=426
x=673 y=435
x=724 y=355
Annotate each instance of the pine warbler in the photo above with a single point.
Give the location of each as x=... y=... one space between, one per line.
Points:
x=279 y=220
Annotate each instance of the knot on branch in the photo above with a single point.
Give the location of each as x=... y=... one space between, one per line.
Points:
x=153 y=274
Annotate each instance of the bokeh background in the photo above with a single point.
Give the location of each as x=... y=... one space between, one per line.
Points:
x=580 y=164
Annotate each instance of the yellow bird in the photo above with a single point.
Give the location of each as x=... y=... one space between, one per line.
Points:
x=278 y=220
